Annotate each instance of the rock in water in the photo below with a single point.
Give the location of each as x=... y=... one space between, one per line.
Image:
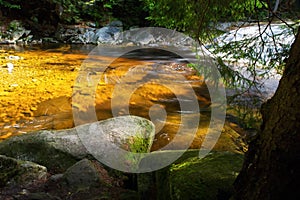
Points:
x=58 y=150
x=119 y=142
x=10 y=67
x=144 y=38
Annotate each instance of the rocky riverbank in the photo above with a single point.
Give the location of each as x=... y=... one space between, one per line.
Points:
x=65 y=170
x=38 y=86
x=111 y=34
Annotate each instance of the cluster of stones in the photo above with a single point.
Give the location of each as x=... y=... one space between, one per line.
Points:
x=110 y=34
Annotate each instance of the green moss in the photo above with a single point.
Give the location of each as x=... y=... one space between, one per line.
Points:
x=129 y=195
x=208 y=178
x=145 y=183
x=13 y=171
x=8 y=169
x=39 y=152
x=138 y=144
x=192 y=178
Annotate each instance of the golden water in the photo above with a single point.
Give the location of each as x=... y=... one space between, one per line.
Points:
x=38 y=93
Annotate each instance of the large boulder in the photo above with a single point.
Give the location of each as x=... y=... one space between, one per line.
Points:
x=143 y=38
x=88 y=35
x=155 y=36
x=106 y=35
x=58 y=150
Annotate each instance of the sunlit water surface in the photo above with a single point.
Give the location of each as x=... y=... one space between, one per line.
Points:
x=151 y=83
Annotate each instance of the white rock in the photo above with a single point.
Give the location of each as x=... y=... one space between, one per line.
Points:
x=10 y=67
x=13 y=57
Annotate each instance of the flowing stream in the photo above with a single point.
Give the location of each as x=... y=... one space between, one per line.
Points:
x=43 y=88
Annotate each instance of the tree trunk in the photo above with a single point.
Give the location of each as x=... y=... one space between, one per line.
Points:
x=272 y=165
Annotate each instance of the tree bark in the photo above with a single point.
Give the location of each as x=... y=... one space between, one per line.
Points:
x=271 y=168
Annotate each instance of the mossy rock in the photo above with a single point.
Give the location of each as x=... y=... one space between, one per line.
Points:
x=16 y=172
x=8 y=169
x=119 y=142
x=58 y=150
x=208 y=178
x=190 y=177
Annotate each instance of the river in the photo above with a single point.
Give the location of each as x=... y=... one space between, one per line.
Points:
x=46 y=87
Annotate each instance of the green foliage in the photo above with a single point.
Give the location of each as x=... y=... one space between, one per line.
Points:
x=198 y=17
x=100 y=12
x=231 y=77
x=131 y=13
x=14 y=25
x=248 y=116
x=262 y=50
x=75 y=11
x=9 y=4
